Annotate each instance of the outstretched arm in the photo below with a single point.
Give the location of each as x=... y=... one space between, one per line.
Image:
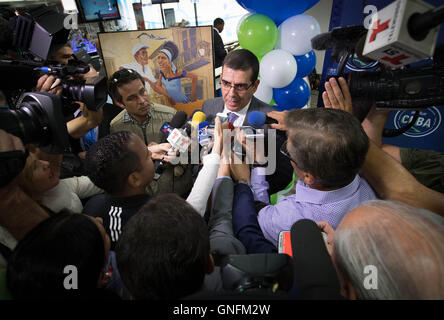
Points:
x=387 y=176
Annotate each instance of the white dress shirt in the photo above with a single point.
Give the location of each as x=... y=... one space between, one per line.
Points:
x=241 y=114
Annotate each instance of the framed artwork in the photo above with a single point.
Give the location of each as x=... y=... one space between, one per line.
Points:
x=176 y=63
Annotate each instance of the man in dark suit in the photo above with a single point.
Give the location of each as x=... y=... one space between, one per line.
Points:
x=219 y=49
x=239 y=82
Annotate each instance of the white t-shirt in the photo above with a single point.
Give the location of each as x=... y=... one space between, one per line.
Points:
x=144 y=71
x=68 y=194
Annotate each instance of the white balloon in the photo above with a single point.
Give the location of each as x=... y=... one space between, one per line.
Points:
x=296 y=32
x=264 y=92
x=278 y=68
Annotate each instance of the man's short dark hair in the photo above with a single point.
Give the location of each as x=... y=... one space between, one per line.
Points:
x=164 y=250
x=36 y=266
x=110 y=161
x=218 y=22
x=120 y=78
x=327 y=143
x=244 y=60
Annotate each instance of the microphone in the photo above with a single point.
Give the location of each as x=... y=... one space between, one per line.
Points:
x=197 y=117
x=204 y=133
x=258 y=119
x=178 y=120
x=341 y=40
x=177 y=143
x=403 y=32
x=314 y=274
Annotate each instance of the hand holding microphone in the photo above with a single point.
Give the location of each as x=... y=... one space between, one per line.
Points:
x=158 y=151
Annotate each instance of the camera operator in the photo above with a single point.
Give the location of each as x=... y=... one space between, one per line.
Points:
x=82 y=126
x=427 y=166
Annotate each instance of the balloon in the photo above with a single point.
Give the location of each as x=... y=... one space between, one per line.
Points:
x=278 y=11
x=257 y=33
x=295 y=34
x=278 y=68
x=264 y=92
x=306 y=64
x=295 y=95
x=245 y=16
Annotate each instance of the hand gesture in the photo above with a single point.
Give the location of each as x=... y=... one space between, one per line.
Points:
x=280 y=117
x=336 y=97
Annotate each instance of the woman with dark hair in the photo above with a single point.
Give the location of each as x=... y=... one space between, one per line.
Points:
x=62 y=257
x=171 y=78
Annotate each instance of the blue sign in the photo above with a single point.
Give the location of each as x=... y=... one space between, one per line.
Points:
x=426 y=133
x=427 y=122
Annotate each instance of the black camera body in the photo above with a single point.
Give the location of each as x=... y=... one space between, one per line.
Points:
x=266 y=272
x=39 y=118
x=408 y=89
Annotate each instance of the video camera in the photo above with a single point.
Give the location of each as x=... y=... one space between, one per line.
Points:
x=410 y=36
x=256 y=273
x=39 y=117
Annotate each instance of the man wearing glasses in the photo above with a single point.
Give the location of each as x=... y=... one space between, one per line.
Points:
x=239 y=82
x=327 y=149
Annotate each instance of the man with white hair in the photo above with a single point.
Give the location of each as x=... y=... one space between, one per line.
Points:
x=389 y=250
x=140 y=54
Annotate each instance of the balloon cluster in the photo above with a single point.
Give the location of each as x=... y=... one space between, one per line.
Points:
x=285 y=53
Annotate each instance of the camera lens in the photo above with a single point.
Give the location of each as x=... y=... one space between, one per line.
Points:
x=28 y=123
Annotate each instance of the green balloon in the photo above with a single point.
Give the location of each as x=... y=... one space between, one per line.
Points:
x=258 y=33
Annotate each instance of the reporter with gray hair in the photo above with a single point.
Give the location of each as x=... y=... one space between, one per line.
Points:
x=389 y=250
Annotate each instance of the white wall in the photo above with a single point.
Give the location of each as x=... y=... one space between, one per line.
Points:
x=321 y=12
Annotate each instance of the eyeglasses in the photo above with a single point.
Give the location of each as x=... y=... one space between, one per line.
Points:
x=285 y=152
x=240 y=87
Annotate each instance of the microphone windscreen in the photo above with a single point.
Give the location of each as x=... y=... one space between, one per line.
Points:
x=322 y=41
x=198 y=117
x=257 y=118
x=315 y=275
x=179 y=119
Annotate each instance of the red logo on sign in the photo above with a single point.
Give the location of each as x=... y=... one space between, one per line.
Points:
x=395 y=60
x=377 y=28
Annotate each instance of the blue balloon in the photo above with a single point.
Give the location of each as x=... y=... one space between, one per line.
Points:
x=293 y=96
x=279 y=10
x=305 y=63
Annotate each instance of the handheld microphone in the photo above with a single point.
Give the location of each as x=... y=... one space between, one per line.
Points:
x=315 y=275
x=258 y=119
x=179 y=118
x=403 y=32
x=197 y=117
x=204 y=134
x=178 y=137
x=177 y=142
